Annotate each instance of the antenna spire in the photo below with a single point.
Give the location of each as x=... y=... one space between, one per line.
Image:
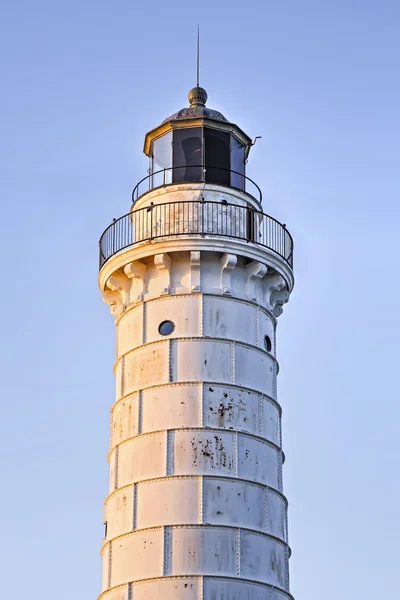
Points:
x=198 y=55
x=197 y=95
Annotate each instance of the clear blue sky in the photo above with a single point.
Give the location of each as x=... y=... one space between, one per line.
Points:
x=81 y=83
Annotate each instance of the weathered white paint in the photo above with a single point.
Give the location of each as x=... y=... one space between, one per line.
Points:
x=195 y=508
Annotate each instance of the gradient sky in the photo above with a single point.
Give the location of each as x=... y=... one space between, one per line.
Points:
x=81 y=83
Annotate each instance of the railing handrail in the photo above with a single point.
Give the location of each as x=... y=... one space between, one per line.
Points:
x=288 y=257
x=204 y=168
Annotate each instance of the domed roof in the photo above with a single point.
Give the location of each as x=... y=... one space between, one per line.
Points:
x=197 y=109
x=197 y=112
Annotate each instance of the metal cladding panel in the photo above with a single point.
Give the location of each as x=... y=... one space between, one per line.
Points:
x=254 y=369
x=167 y=502
x=171 y=407
x=220 y=589
x=228 y=502
x=267 y=327
x=203 y=452
x=119 y=516
x=202 y=551
x=137 y=556
x=146 y=366
x=277 y=519
x=113 y=469
x=105 y=559
x=202 y=360
x=271 y=422
x=263 y=559
x=257 y=461
x=120 y=593
x=124 y=423
x=143 y=457
x=229 y=318
x=231 y=408
x=183 y=311
x=130 y=330
x=164 y=589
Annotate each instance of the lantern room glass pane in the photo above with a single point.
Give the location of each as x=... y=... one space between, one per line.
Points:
x=188 y=154
x=217 y=156
x=237 y=163
x=162 y=160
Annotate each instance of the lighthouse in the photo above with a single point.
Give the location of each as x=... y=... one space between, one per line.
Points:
x=196 y=275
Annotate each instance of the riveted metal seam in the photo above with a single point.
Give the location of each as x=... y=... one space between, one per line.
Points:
x=228 y=578
x=266 y=508
x=169 y=449
x=201 y=588
x=140 y=413
x=116 y=342
x=134 y=507
x=144 y=332
x=109 y=565
x=171 y=346
x=287 y=582
x=235 y=454
x=201 y=314
x=261 y=416
x=257 y=325
x=167 y=551
x=233 y=358
x=116 y=468
x=122 y=375
x=202 y=401
x=238 y=551
x=201 y=500
x=280 y=474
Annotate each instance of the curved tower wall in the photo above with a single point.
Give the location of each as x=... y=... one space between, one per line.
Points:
x=196 y=507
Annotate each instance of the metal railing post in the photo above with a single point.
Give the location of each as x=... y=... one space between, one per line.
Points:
x=203 y=233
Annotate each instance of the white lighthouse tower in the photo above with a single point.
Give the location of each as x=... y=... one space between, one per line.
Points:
x=196 y=275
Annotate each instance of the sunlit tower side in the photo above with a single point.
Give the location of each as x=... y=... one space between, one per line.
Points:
x=196 y=275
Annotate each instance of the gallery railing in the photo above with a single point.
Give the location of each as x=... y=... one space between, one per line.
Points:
x=197 y=174
x=194 y=218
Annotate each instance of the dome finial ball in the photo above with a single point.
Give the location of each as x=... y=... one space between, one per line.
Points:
x=197 y=96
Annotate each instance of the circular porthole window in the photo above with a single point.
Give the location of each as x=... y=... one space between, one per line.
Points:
x=267 y=343
x=166 y=328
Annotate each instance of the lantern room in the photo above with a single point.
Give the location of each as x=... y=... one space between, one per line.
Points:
x=197 y=144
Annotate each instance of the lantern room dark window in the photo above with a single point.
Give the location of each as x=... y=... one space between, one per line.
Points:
x=237 y=163
x=188 y=154
x=194 y=154
x=217 y=156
